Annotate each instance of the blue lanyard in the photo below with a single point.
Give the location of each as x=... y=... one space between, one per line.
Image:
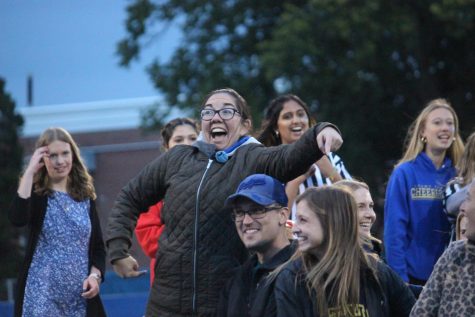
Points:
x=223 y=156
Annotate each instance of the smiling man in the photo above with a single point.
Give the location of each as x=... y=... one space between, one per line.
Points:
x=259 y=212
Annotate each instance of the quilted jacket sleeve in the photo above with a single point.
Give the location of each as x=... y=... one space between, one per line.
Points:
x=144 y=190
x=287 y=162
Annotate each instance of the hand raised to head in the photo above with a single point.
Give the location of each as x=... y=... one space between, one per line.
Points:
x=37 y=160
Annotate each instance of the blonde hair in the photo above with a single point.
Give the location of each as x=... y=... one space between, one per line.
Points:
x=466 y=164
x=458 y=226
x=351 y=184
x=414 y=144
x=80 y=184
x=335 y=276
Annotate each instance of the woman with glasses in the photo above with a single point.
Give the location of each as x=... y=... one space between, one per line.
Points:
x=199 y=247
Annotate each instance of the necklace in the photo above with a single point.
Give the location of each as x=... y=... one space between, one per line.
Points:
x=66 y=207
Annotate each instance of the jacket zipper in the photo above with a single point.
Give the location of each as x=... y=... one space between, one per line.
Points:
x=195 y=238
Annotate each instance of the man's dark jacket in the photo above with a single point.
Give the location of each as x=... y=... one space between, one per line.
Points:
x=249 y=292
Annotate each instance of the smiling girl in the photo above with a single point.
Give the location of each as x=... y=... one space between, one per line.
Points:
x=287 y=118
x=416 y=230
x=65 y=256
x=331 y=275
x=366 y=214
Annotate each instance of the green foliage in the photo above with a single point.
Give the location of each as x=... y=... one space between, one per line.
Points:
x=10 y=165
x=218 y=49
x=368 y=66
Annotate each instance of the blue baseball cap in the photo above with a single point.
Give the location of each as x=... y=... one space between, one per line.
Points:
x=261 y=189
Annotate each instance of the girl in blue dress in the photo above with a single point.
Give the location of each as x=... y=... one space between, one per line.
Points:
x=65 y=255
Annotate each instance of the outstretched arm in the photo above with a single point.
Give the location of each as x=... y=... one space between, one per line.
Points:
x=146 y=189
x=329 y=140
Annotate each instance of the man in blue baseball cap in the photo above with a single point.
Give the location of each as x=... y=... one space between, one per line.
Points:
x=259 y=210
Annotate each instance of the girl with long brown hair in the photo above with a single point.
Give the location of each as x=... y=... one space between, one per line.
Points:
x=331 y=275
x=65 y=255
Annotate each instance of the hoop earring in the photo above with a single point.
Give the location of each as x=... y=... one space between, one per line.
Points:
x=423 y=139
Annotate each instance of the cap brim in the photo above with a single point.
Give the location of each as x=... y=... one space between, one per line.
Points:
x=258 y=199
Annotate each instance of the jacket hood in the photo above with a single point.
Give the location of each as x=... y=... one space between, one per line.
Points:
x=425 y=160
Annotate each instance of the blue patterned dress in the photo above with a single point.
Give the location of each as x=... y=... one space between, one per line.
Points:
x=60 y=261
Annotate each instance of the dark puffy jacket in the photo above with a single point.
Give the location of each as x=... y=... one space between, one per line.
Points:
x=31 y=212
x=388 y=296
x=249 y=292
x=200 y=247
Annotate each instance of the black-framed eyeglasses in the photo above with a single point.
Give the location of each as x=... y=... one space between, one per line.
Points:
x=225 y=113
x=238 y=214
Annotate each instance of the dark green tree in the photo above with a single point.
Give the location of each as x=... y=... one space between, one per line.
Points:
x=10 y=164
x=219 y=47
x=368 y=66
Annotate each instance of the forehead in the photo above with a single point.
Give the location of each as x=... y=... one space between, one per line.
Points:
x=303 y=209
x=440 y=113
x=57 y=146
x=184 y=129
x=291 y=106
x=361 y=194
x=220 y=100
x=245 y=203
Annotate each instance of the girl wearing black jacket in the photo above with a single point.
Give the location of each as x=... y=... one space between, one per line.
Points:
x=331 y=275
x=65 y=256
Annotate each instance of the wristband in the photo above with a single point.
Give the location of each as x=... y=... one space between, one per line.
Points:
x=96 y=276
